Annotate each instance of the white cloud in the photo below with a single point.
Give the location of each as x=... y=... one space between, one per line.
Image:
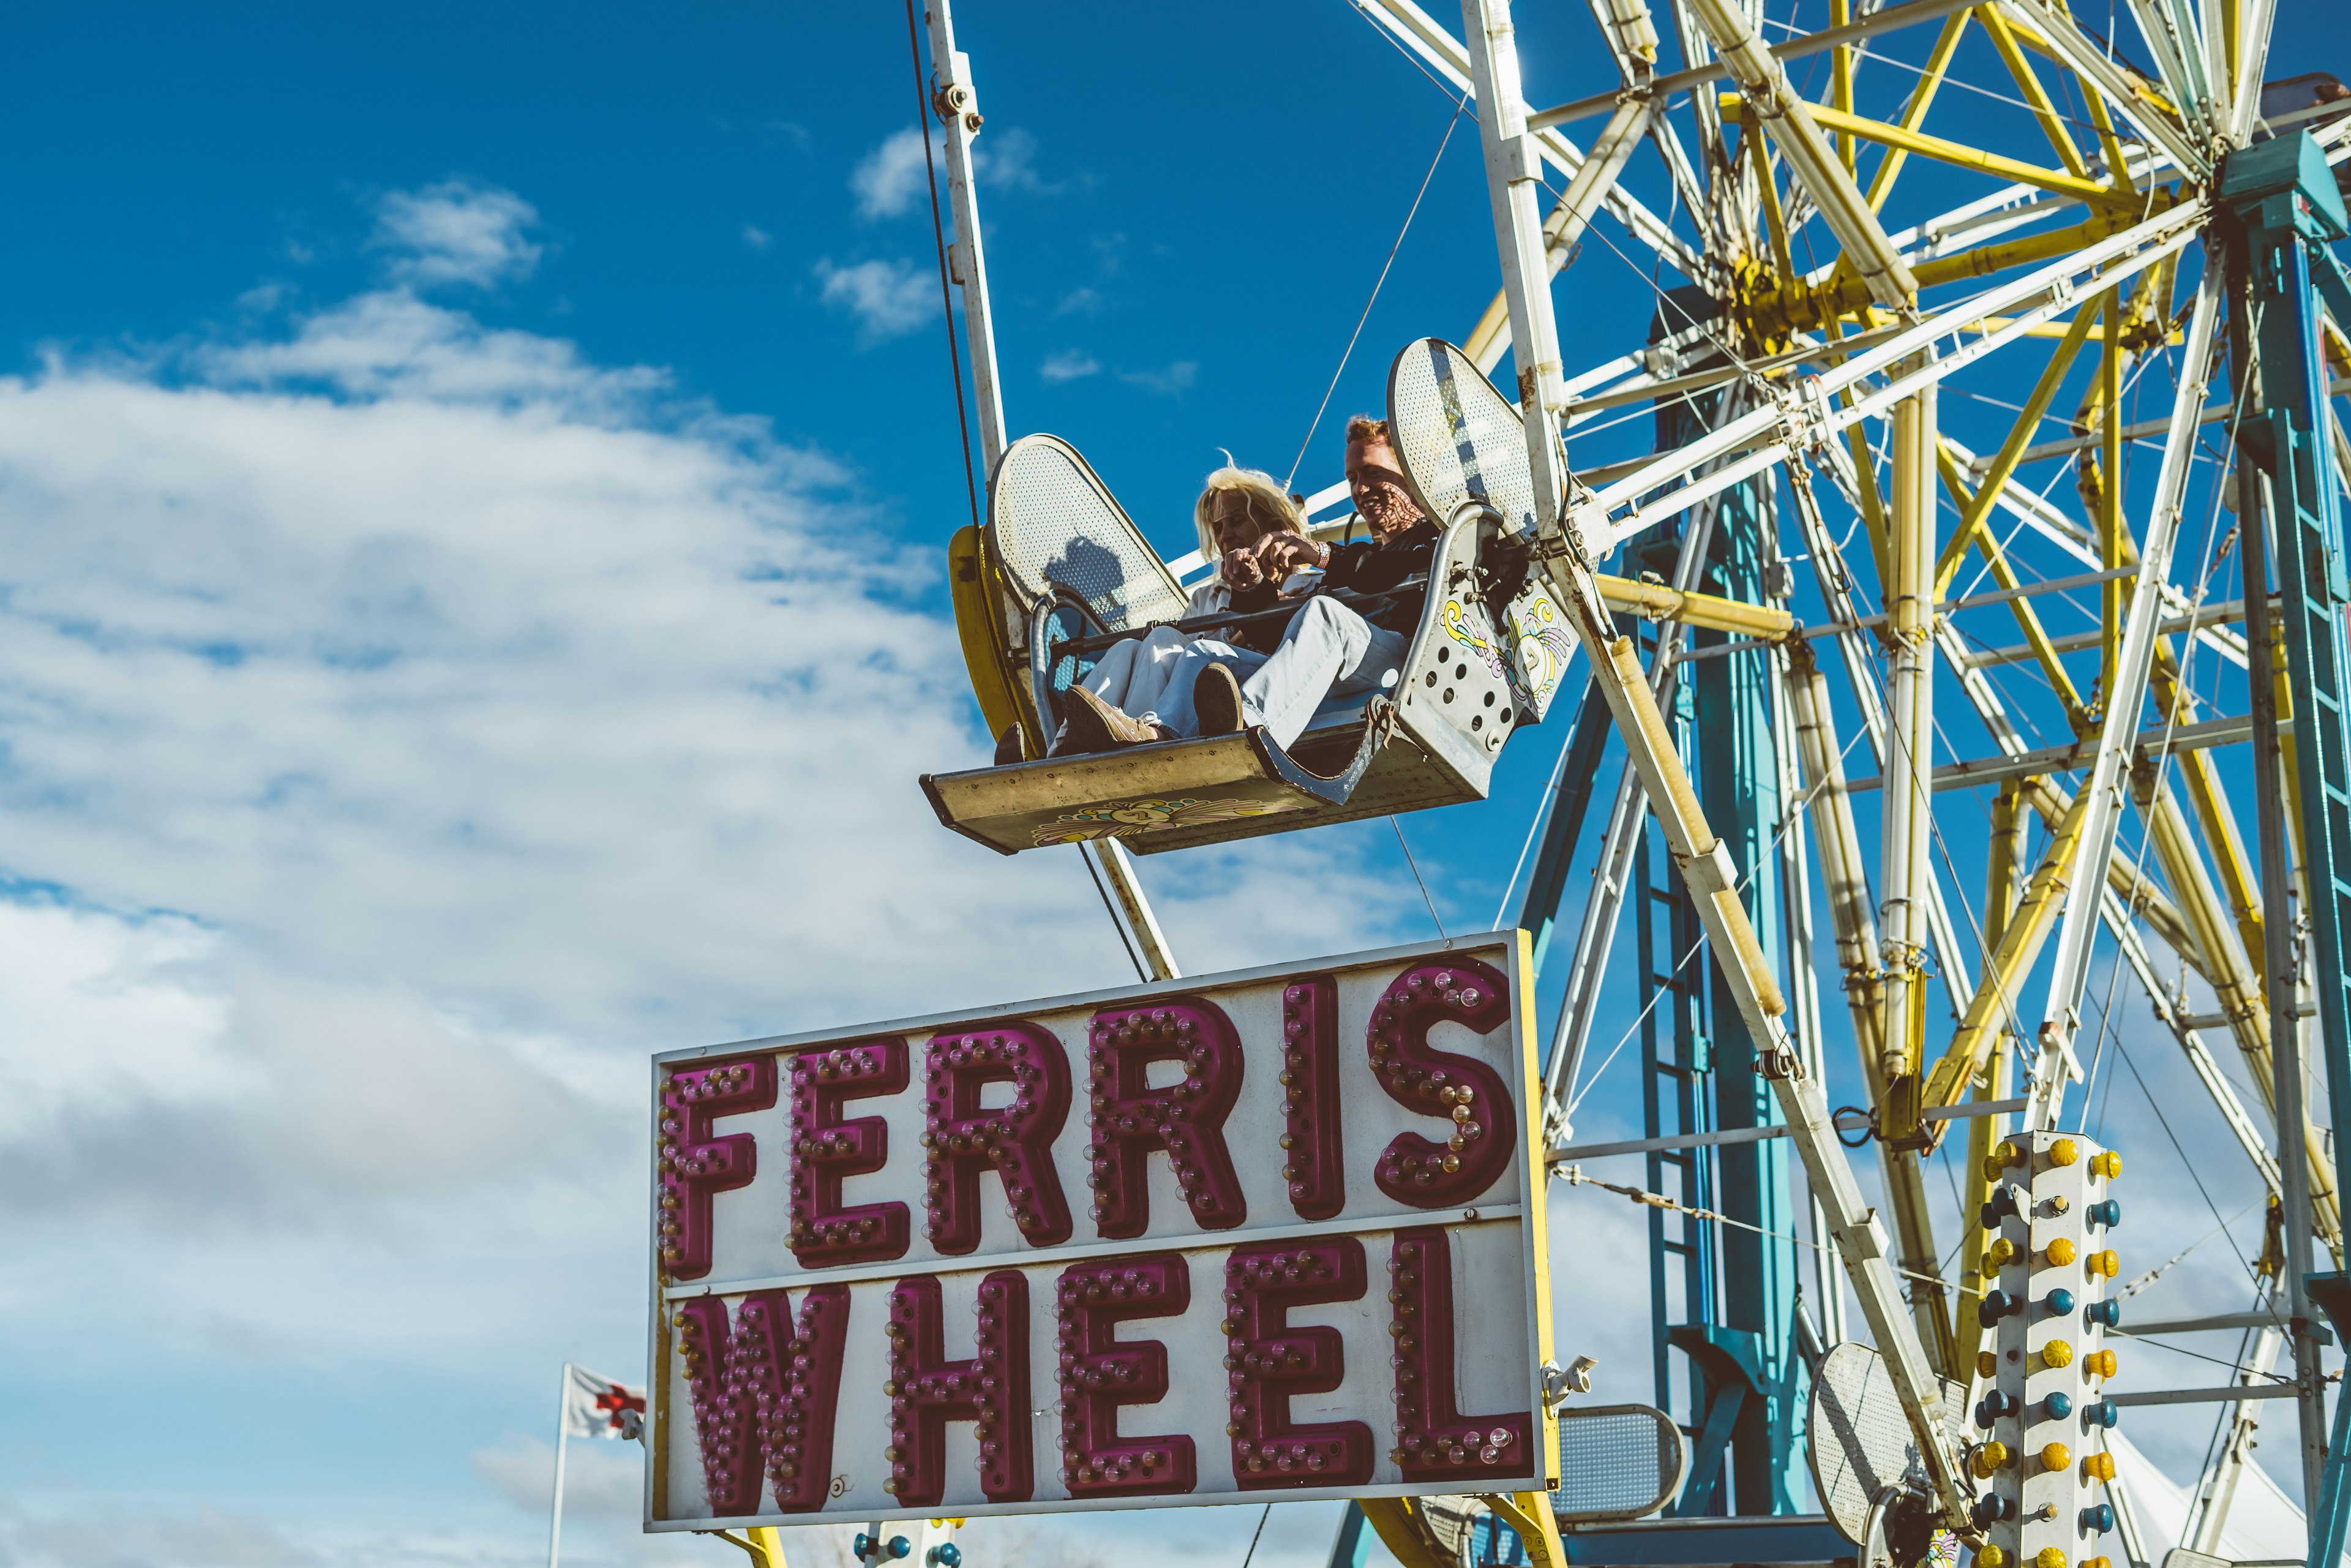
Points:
x=1175 y=380
x=1079 y=302
x=888 y=298
x=1008 y=159
x=888 y=180
x=415 y=724
x=756 y=238
x=603 y=1477
x=457 y=232
x=1069 y=365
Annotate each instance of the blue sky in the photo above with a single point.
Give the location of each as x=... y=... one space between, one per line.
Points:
x=473 y=484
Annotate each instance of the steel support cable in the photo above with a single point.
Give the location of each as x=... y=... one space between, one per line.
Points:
x=1762 y=858
x=1863 y=51
x=2213 y=560
x=1433 y=917
x=1459 y=100
x=2162 y=762
x=1414 y=211
x=1574 y=1177
x=2123 y=1052
x=938 y=237
x=1544 y=804
x=1595 y=936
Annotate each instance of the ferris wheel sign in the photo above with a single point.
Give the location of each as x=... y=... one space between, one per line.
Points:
x=993 y=1263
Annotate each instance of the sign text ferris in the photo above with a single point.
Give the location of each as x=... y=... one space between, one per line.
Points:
x=980 y=1264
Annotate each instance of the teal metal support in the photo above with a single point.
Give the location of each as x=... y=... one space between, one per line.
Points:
x=1565 y=827
x=2285 y=202
x=1351 y=1547
x=1725 y=708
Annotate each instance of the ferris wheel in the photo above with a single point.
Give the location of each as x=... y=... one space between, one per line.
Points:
x=2128 y=631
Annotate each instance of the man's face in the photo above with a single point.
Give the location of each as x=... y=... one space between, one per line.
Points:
x=1378 y=486
x=1231 y=521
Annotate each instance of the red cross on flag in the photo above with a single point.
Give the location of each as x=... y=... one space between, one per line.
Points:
x=597 y=1407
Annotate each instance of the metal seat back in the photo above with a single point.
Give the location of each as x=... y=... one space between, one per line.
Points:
x=1460 y=442
x=1052 y=521
x=1460 y=439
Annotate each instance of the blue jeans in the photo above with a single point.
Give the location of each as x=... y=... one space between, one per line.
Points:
x=1329 y=651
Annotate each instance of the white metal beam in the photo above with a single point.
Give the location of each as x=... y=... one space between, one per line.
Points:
x=1763 y=81
x=1810 y=415
x=2118 y=732
x=1443 y=53
x=1861 y=1240
x=956 y=105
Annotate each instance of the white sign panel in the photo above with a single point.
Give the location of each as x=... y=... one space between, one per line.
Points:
x=1263 y=1236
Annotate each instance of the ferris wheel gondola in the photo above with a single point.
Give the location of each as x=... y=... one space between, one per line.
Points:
x=1060 y=574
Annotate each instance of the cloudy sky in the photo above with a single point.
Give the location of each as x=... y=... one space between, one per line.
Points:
x=471 y=612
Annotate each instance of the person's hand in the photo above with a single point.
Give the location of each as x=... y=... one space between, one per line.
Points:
x=1240 y=568
x=1279 y=555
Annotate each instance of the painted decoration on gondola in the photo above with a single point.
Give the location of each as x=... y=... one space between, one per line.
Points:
x=1127 y=819
x=979 y=1263
x=1539 y=639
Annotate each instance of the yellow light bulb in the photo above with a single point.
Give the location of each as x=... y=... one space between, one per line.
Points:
x=2064 y=1153
x=2108 y=1164
x=2098 y=1467
x=1991 y=1557
x=1993 y=1167
x=2097 y=1562
x=2008 y=1154
x=2056 y=1457
x=1987 y=1364
x=2061 y=1250
x=2099 y=1363
x=2049 y=1557
x=2106 y=1262
x=2056 y=1353
x=1998 y=1254
x=1989 y=1458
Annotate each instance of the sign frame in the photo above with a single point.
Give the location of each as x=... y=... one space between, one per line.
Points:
x=1509 y=951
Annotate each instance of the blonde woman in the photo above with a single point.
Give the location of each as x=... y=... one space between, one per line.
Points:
x=1142 y=688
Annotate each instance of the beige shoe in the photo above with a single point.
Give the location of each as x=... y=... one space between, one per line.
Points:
x=1092 y=725
x=1217 y=699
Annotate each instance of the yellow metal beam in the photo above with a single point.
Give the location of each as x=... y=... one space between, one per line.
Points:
x=2149 y=91
x=2028 y=620
x=1958 y=155
x=2028 y=82
x=2110 y=146
x=2113 y=536
x=1657 y=601
x=1812 y=308
x=2213 y=814
x=1854 y=925
x=1914 y=112
x=2008 y=823
x=1405 y=1532
x=2235 y=986
x=2004 y=971
x=1530 y=1513
x=762 y=1543
x=1973 y=514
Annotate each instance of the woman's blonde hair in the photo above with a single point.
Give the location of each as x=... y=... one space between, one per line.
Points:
x=1267 y=503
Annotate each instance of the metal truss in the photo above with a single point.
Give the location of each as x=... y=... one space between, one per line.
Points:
x=1837 y=373
x=1828 y=385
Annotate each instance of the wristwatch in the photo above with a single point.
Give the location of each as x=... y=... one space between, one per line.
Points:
x=1324 y=546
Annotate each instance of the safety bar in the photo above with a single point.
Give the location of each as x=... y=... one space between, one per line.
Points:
x=1198 y=624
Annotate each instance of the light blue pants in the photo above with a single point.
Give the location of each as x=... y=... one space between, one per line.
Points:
x=1329 y=651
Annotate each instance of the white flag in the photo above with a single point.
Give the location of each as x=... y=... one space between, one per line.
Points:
x=597 y=1407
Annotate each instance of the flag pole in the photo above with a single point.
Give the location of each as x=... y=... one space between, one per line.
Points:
x=562 y=1430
